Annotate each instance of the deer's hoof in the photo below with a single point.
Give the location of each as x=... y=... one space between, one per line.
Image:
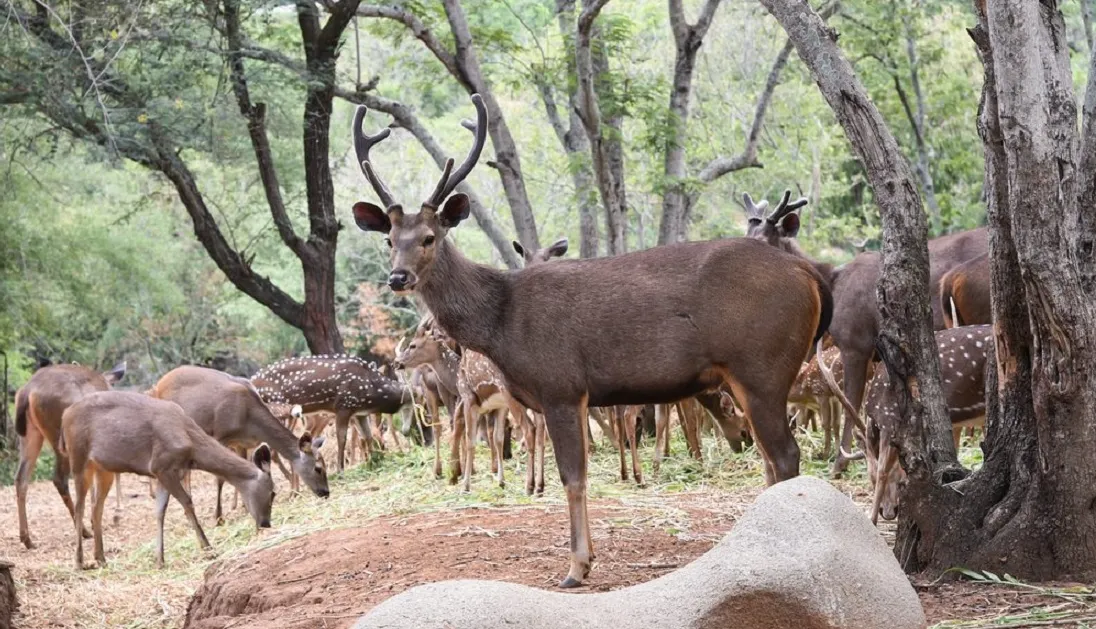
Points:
x=116 y=519
x=26 y=542
x=86 y=534
x=569 y=582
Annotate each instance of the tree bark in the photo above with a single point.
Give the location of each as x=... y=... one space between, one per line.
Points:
x=687 y=39
x=1041 y=418
x=906 y=342
x=573 y=139
x=605 y=151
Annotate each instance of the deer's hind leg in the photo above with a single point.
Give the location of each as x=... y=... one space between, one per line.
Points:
x=30 y=446
x=103 y=481
x=767 y=414
x=83 y=484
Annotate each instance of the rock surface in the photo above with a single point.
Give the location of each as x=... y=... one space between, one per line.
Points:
x=803 y=556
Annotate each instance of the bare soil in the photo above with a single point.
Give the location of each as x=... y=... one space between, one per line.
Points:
x=331 y=578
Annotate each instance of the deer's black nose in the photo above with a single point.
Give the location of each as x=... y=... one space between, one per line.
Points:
x=399 y=279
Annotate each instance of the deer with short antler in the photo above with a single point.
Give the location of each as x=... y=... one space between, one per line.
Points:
x=340 y=384
x=115 y=432
x=230 y=410
x=39 y=405
x=855 y=323
x=652 y=326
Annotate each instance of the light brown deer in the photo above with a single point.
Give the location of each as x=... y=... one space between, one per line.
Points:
x=653 y=326
x=115 y=432
x=855 y=323
x=426 y=351
x=230 y=410
x=811 y=394
x=962 y=354
x=340 y=384
x=964 y=294
x=39 y=405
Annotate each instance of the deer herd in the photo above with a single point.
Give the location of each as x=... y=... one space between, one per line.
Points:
x=737 y=331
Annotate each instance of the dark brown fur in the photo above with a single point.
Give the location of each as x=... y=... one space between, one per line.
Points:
x=855 y=323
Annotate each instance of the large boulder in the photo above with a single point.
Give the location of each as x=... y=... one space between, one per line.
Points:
x=802 y=556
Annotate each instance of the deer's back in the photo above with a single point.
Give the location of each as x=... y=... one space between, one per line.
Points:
x=123 y=432
x=218 y=402
x=57 y=387
x=327 y=383
x=659 y=324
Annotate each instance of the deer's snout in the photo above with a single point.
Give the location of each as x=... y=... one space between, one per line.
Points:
x=323 y=493
x=401 y=280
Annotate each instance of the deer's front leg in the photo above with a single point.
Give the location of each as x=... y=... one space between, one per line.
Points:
x=566 y=424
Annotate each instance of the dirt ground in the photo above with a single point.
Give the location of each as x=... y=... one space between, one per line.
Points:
x=327 y=562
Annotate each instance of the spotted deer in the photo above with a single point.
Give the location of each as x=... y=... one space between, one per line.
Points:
x=340 y=384
x=580 y=333
x=115 y=432
x=964 y=294
x=962 y=353
x=811 y=394
x=230 y=410
x=39 y=405
x=855 y=323
x=427 y=351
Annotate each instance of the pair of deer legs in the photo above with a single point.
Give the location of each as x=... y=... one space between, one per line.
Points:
x=566 y=423
x=169 y=484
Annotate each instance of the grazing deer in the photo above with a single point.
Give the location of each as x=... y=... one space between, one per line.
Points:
x=39 y=405
x=340 y=384
x=964 y=293
x=653 y=326
x=811 y=394
x=230 y=410
x=855 y=323
x=962 y=354
x=115 y=432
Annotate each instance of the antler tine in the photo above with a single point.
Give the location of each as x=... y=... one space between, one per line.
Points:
x=785 y=208
x=449 y=182
x=439 y=191
x=362 y=144
x=754 y=209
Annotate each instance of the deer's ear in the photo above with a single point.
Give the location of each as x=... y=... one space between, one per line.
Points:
x=261 y=457
x=558 y=248
x=454 y=211
x=789 y=226
x=518 y=248
x=305 y=443
x=116 y=373
x=317 y=443
x=371 y=218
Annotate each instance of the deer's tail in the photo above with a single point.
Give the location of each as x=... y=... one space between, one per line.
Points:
x=825 y=296
x=61 y=449
x=22 y=407
x=947 y=303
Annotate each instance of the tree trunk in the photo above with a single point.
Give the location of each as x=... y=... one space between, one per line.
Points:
x=924 y=161
x=610 y=145
x=906 y=340
x=1028 y=510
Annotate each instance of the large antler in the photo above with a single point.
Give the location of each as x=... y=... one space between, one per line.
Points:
x=450 y=181
x=785 y=208
x=362 y=144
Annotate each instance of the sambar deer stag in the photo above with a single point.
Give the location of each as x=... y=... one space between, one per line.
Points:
x=579 y=333
x=855 y=323
x=115 y=432
x=340 y=384
x=964 y=294
x=230 y=410
x=39 y=405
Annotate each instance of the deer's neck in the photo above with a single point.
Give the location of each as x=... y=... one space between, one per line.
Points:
x=468 y=299
x=446 y=368
x=210 y=456
x=263 y=427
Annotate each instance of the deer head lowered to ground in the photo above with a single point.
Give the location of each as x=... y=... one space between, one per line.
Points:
x=856 y=314
x=115 y=432
x=230 y=410
x=39 y=405
x=653 y=326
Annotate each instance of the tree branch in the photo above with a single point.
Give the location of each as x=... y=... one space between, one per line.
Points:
x=417 y=28
x=256 y=128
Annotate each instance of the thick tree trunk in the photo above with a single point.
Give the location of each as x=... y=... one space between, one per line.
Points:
x=906 y=340
x=1028 y=510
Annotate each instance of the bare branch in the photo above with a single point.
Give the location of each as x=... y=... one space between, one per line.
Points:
x=418 y=29
x=256 y=128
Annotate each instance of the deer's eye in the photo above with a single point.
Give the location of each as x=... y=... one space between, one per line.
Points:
x=429 y=240
x=388 y=241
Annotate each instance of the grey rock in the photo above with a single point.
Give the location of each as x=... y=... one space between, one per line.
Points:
x=803 y=556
